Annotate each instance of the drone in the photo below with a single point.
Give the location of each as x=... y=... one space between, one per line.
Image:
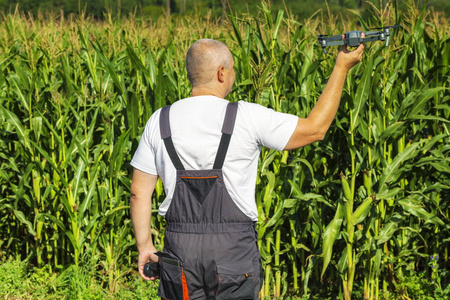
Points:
x=353 y=38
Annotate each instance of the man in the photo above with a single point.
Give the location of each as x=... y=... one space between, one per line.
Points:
x=206 y=152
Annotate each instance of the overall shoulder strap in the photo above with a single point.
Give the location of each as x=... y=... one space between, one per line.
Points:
x=166 y=135
x=227 y=131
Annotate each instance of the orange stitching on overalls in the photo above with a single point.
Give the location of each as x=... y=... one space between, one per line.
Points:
x=217 y=291
x=185 y=286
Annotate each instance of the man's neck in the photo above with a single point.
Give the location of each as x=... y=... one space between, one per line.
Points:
x=206 y=91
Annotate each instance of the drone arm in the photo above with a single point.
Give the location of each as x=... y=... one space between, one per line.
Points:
x=371 y=39
x=336 y=43
x=325 y=43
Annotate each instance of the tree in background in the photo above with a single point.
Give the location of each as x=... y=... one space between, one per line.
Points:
x=155 y=8
x=224 y=8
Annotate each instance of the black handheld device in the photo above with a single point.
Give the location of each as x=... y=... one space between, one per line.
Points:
x=151 y=269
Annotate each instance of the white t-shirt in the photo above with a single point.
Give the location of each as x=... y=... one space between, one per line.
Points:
x=196 y=125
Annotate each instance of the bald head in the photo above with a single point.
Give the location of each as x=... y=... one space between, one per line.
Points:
x=204 y=58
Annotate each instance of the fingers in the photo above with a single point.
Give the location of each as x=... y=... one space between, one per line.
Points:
x=145 y=257
x=359 y=51
x=361 y=46
x=348 y=59
x=141 y=272
x=344 y=49
x=145 y=277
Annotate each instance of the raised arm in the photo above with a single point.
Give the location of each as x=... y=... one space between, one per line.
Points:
x=142 y=187
x=314 y=127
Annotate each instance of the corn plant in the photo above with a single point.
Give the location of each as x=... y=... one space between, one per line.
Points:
x=357 y=211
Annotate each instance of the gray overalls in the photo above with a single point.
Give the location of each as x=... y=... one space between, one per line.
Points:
x=212 y=243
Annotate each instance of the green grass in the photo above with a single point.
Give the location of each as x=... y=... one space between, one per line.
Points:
x=19 y=280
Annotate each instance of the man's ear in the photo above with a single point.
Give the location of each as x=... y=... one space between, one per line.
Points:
x=221 y=74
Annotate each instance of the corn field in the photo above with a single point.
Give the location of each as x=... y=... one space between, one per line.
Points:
x=361 y=210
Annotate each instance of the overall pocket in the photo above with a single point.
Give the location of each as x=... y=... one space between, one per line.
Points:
x=235 y=281
x=172 y=284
